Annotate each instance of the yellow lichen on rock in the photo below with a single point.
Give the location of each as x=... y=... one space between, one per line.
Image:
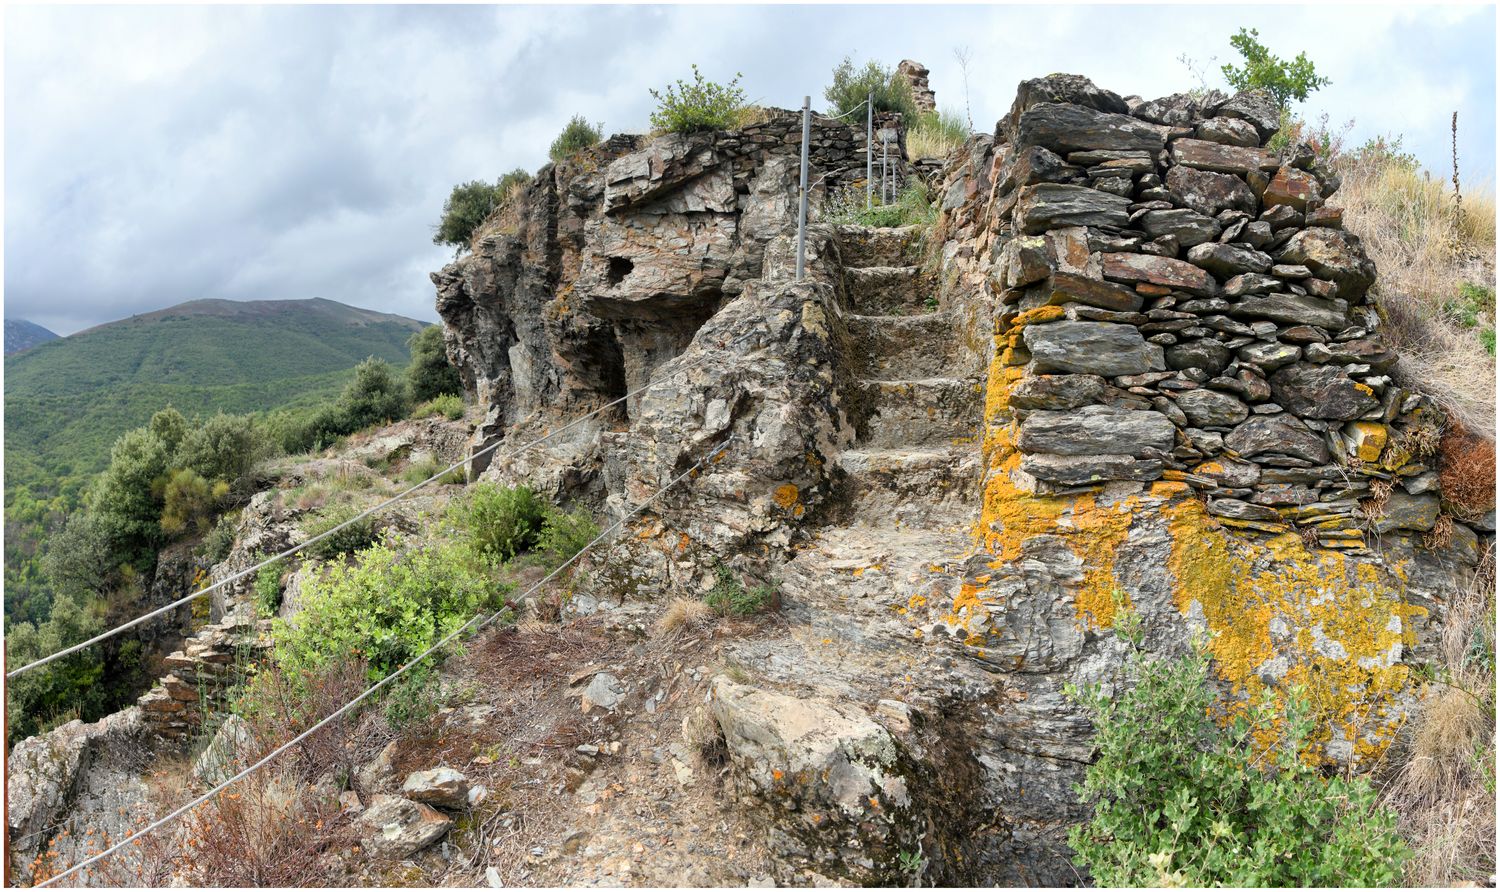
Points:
x=1283 y=615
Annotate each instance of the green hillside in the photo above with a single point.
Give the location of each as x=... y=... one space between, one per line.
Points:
x=66 y=401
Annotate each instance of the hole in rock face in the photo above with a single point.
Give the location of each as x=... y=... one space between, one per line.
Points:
x=619 y=268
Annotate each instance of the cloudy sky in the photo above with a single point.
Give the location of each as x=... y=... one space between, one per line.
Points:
x=163 y=154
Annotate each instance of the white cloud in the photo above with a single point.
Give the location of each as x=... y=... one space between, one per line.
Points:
x=162 y=154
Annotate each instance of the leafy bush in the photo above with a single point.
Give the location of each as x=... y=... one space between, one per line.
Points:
x=413 y=698
x=729 y=597
x=35 y=701
x=385 y=607
x=375 y=396
x=852 y=85
x=501 y=521
x=189 y=501
x=1263 y=70
x=350 y=539
x=268 y=588
x=1179 y=801
x=466 y=207
x=225 y=447
x=697 y=106
x=912 y=207
x=216 y=546
x=430 y=373
x=578 y=135
x=564 y=534
x=448 y=405
x=937 y=134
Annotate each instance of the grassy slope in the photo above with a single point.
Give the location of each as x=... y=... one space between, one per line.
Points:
x=68 y=400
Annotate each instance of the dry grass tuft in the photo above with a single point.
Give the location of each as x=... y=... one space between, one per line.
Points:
x=1444 y=786
x=1425 y=254
x=683 y=614
x=1372 y=509
x=1466 y=468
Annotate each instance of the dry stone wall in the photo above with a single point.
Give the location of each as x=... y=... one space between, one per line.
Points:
x=1186 y=306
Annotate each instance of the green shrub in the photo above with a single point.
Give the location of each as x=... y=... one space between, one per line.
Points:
x=578 y=135
x=466 y=207
x=430 y=373
x=501 y=521
x=413 y=698
x=852 y=85
x=729 y=597
x=385 y=607
x=912 y=207
x=350 y=539
x=268 y=588
x=1263 y=70
x=1180 y=801
x=375 y=396
x=697 y=106
x=225 y=447
x=216 y=546
x=189 y=501
x=564 y=534
x=448 y=405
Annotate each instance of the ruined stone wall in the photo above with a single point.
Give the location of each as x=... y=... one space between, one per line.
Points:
x=1189 y=392
x=1185 y=305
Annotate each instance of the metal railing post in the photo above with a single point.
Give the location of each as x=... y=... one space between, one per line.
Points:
x=885 y=166
x=869 y=149
x=802 y=204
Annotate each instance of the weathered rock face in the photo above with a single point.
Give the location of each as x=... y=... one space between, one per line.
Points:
x=921 y=91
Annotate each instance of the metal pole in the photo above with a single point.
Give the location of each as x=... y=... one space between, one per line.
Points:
x=869 y=149
x=802 y=205
x=885 y=167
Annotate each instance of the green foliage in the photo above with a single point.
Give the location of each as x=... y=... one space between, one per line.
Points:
x=467 y=206
x=352 y=538
x=126 y=501
x=1264 y=70
x=389 y=604
x=430 y=373
x=375 y=396
x=81 y=558
x=189 y=501
x=1474 y=308
x=912 y=207
x=268 y=588
x=729 y=597
x=413 y=698
x=578 y=135
x=418 y=471
x=564 y=534
x=40 y=698
x=68 y=401
x=1179 y=801
x=500 y=522
x=698 y=106
x=219 y=541
x=852 y=85
x=449 y=405
x=1383 y=151
x=225 y=447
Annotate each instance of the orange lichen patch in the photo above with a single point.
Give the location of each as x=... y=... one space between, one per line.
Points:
x=1336 y=624
x=785 y=495
x=1037 y=315
x=1009 y=516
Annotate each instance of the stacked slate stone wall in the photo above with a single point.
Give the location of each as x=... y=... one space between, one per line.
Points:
x=1187 y=306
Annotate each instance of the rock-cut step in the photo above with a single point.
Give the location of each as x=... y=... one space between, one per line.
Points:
x=872 y=246
x=900 y=347
x=918 y=412
x=927 y=488
x=884 y=290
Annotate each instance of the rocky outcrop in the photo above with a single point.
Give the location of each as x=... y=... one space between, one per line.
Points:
x=201 y=673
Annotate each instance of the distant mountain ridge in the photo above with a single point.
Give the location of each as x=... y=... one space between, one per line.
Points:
x=21 y=334
x=67 y=400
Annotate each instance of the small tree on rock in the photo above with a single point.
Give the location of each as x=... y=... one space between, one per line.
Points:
x=1264 y=70
x=851 y=85
x=430 y=373
x=577 y=136
x=464 y=210
x=698 y=106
